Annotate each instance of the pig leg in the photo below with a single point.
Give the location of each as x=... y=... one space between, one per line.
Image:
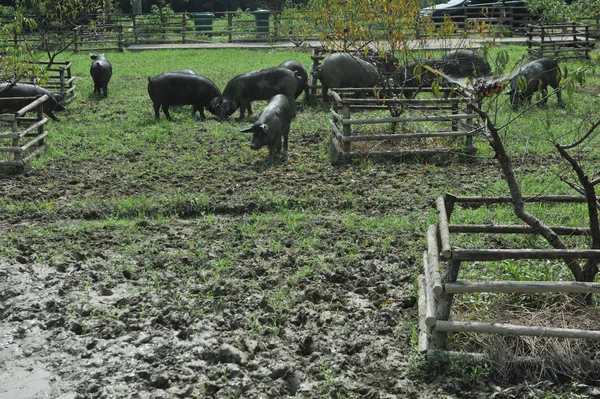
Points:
x=165 y=109
x=249 y=108
x=51 y=115
x=105 y=90
x=156 y=110
x=292 y=102
x=286 y=131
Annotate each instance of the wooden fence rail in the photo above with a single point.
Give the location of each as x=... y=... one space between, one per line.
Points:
x=442 y=261
x=26 y=137
x=560 y=41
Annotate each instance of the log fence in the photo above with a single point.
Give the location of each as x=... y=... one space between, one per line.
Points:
x=60 y=79
x=25 y=139
x=419 y=120
x=442 y=261
x=560 y=41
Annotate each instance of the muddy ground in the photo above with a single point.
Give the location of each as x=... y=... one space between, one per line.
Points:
x=226 y=298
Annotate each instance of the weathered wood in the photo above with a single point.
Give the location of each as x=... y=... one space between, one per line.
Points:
x=424 y=118
x=32 y=105
x=500 y=254
x=522 y=287
x=443 y=228
x=37 y=139
x=429 y=295
x=404 y=136
x=8 y=117
x=433 y=260
x=512 y=329
x=538 y=198
x=507 y=229
x=33 y=127
x=424 y=330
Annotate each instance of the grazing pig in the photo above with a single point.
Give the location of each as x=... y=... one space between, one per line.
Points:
x=272 y=124
x=28 y=90
x=344 y=70
x=538 y=75
x=465 y=63
x=101 y=71
x=171 y=88
x=257 y=85
x=386 y=63
x=300 y=71
x=415 y=75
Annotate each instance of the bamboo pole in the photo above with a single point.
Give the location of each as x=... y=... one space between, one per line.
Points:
x=429 y=295
x=500 y=254
x=432 y=259
x=424 y=330
x=512 y=329
x=443 y=227
x=522 y=287
x=507 y=229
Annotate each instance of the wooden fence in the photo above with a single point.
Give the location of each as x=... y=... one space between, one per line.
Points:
x=108 y=37
x=60 y=80
x=507 y=21
x=436 y=291
x=560 y=41
x=26 y=137
x=421 y=122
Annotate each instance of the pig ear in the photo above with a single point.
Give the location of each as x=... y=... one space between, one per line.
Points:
x=247 y=129
x=264 y=128
x=93 y=56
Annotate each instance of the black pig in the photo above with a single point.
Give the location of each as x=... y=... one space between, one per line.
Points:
x=538 y=75
x=464 y=63
x=300 y=71
x=257 y=85
x=344 y=70
x=272 y=124
x=101 y=71
x=28 y=90
x=171 y=88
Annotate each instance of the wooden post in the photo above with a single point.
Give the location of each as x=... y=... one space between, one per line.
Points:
x=346 y=128
x=542 y=35
x=587 y=42
x=40 y=116
x=15 y=140
x=229 y=27
x=119 y=38
x=135 y=37
x=61 y=76
x=444 y=304
x=183 y=22
x=454 y=112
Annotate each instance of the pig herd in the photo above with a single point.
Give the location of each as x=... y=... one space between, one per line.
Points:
x=281 y=85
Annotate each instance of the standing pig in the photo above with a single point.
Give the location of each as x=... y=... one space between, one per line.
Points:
x=300 y=71
x=171 y=88
x=344 y=70
x=101 y=71
x=465 y=63
x=257 y=85
x=27 y=90
x=272 y=124
x=538 y=75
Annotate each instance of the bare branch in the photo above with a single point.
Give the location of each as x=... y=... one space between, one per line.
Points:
x=585 y=136
x=517 y=197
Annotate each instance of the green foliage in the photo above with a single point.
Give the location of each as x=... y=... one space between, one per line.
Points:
x=552 y=11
